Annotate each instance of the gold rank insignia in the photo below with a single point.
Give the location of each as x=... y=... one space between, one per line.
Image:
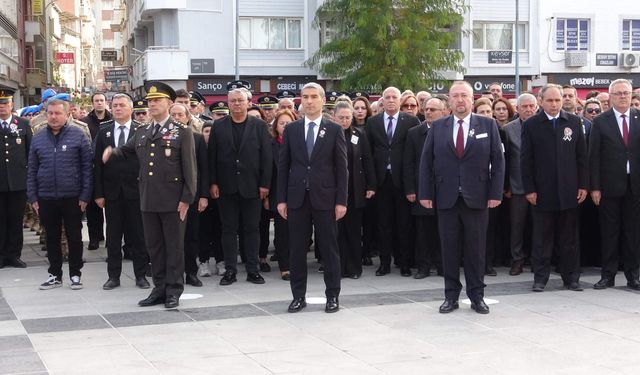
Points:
x=153 y=89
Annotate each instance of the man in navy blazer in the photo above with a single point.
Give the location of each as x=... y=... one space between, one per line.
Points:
x=312 y=188
x=462 y=169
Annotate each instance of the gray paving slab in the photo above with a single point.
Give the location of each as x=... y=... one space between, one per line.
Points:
x=71 y=323
x=130 y=319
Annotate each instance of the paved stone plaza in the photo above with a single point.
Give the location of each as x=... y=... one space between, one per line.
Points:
x=386 y=325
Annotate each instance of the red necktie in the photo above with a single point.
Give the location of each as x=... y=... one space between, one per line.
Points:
x=460 y=140
x=625 y=130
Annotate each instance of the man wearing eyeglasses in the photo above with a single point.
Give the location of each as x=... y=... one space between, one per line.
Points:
x=614 y=162
x=141 y=110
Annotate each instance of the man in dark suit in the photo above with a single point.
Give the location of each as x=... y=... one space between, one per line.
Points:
x=116 y=190
x=240 y=161
x=614 y=161
x=14 y=147
x=167 y=158
x=312 y=189
x=527 y=105
x=462 y=170
x=554 y=176
x=387 y=133
x=427 y=246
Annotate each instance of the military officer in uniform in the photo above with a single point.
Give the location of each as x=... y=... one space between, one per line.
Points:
x=166 y=152
x=141 y=110
x=269 y=104
x=219 y=110
x=196 y=106
x=15 y=138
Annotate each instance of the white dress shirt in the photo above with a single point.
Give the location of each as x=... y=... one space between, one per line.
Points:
x=619 y=119
x=315 y=128
x=465 y=128
x=116 y=131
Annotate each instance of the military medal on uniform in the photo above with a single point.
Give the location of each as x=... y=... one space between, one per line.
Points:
x=567 y=134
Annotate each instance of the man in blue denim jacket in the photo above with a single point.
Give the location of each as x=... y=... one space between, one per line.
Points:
x=59 y=184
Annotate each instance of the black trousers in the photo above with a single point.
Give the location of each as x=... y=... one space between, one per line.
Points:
x=281 y=241
x=519 y=211
x=349 y=241
x=53 y=212
x=427 y=248
x=164 y=236
x=11 y=213
x=95 y=222
x=463 y=232
x=394 y=224
x=324 y=223
x=620 y=227
x=559 y=227
x=232 y=206
x=265 y=222
x=370 y=229
x=210 y=233
x=191 y=240
x=124 y=219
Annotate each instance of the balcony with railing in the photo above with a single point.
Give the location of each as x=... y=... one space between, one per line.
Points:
x=161 y=63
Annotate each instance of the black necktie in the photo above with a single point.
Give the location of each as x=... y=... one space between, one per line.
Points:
x=156 y=128
x=390 y=129
x=310 y=138
x=121 y=136
x=4 y=125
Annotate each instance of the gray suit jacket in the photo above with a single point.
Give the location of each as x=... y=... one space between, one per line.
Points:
x=513 y=131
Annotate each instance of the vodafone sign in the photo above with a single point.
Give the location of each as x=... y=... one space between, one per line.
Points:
x=65 y=58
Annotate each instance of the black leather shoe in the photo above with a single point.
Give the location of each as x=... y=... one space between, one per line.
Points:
x=254 y=277
x=489 y=271
x=153 y=299
x=112 y=283
x=634 y=284
x=297 y=304
x=265 y=267
x=440 y=271
x=405 y=271
x=574 y=286
x=355 y=276
x=448 y=306
x=142 y=283
x=366 y=261
x=604 y=283
x=171 y=302
x=480 y=307
x=421 y=274
x=192 y=279
x=332 y=305
x=93 y=245
x=538 y=287
x=14 y=262
x=286 y=276
x=228 y=278
x=383 y=270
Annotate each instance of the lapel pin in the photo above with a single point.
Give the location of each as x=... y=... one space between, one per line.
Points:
x=108 y=134
x=321 y=134
x=472 y=133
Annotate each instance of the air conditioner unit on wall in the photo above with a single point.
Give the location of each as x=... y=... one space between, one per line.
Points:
x=4 y=70
x=575 y=59
x=631 y=60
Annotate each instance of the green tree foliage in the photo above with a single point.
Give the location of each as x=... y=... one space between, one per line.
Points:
x=377 y=43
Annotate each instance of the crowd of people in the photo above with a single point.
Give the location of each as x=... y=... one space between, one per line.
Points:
x=423 y=182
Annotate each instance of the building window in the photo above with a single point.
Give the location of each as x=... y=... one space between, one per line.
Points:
x=499 y=36
x=327 y=32
x=631 y=35
x=572 y=34
x=270 y=33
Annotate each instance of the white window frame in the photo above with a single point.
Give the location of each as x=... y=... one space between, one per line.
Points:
x=629 y=46
x=585 y=47
x=326 y=33
x=484 y=24
x=286 y=31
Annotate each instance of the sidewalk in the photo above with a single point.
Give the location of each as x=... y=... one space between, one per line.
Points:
x=386 y=325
